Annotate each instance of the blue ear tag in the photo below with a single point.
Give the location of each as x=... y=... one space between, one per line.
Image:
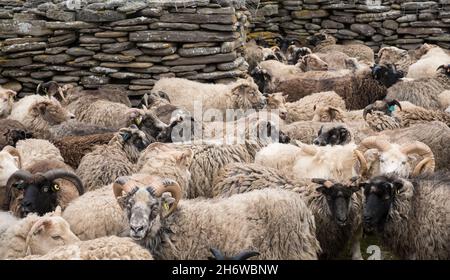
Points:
x=391 y=108
x=126 y=136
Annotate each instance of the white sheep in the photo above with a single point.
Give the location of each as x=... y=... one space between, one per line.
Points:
x=33 y=150
x=426 y=66
x=6 y=101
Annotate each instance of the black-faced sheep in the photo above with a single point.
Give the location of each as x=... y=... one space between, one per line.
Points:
x=242 y=94
x=410 y=216
x=35 y=235
x=107 y=162
x=12 y=131
x=252 y=220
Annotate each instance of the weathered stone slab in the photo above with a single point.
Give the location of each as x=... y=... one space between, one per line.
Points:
x=182 y=36
x=24 y=47
x=53 y=59
x=198 y=51
x=113 y=57
x=77 y=51
x=99 y=16
x=218 y=58
x=198 y=18
x=15 y=62
x=126 y=65
x=128 y=75
x=174 y=25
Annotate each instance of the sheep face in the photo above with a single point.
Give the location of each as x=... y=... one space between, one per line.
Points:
x=391 y=55
x=338 y=198
x=312 y=62
x=135 y=140
x=327 y=114
x=318 y=38
x=277 y=101
x=49 y=232
x=338 y=135
x=6 y=101
x=294 y=53
x=386 y=75
x=151 y=125
x=261 y=78
x=379 y=193
x=247 y=96
x=51 y=112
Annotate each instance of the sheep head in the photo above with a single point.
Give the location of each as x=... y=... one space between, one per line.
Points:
x=277 y=101
x=312 y=62
x=6 y=101
x=393 y=158
x=380 y=193
x=391 y=55
x=217 y=255
x=444 y=68
x=338 y=197
x=51 y=112
x=38 y=192
x=386 y=75
x=294 y=54
x=261 y=78
x=327 y=114
x=52 y=89
x=319 y=38
x=386 y=106
x=49 y=232
x=149 y=123
x=245 y=95
x=144 y=199
x=333 y=135
x=133 y=141
x=177 y=130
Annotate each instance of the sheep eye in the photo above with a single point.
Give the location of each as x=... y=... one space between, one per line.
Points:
x=45 y=189
x=56 y=237
x=403 y=162
x=381 y=160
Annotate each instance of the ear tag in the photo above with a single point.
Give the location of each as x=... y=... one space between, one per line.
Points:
x=138 y=121
x=391 y=108
x=126 y=136
x=55 y=187
x=166 y=206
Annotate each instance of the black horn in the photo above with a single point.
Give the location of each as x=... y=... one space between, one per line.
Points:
x=64 y=174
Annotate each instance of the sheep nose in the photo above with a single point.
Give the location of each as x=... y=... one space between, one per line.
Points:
x=283 y=115
x=136 y=229
x=71 y=116
x=316 y=142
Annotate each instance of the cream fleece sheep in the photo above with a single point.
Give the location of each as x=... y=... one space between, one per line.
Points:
x=426 y=66
x=33 y=150
x=6 y=101
x=103 y=248
x=242 y=94
x=303 y=109
x=33 y=235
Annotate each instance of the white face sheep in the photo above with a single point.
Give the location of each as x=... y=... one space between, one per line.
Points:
x=411 y=216
x=6 y=101
x=151 y=213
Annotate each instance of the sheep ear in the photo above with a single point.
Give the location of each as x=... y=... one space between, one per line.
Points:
x=11 y=93
x=166 y=202
x=15 y=154
x=41 y=107
x=125 y=134
x=41 y=225
x=238 y=90
x=185 y=158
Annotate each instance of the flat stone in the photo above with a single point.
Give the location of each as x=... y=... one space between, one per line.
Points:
x=59 y=68
x=55 y=50
x=85 y=63
x=91 y=47
x=126 y=65
x=143 y=82
x=132 y=52
x=110 y=34
x=369 y=17
x=129 y=75
x=99 y=16
x=156 y=69
x=198 y=51
x=445 y=38
x=113 y=57
x=130 y=28
x=79 y=73
x=139 y=87
x=342 y=19
x=147 y=58
x=218 y=58
x=331 y=24
x=160 y=52
x=33 y=66
x=42 y=74
x=217 y=75
x=53 y=59
x=151 y=12
x=419 y=31
x=231 y=65
x=390 y=24
x=430 y=23
x=132 y=6
x=418 y=5
x=24 y=47
x=29 y=80
x=61 y=37
x=408 y=41
x=94 y=80
x=84 y=39
x=377 y=38
x=219 y=27
x=170 y=57
x=34 y=28
x=309 y=14
x=13 y=41
x=363 y=29
x=182 y=36
x=14 y=73
x=117 y=47
x=133 y=21
x=77 y=51
x=68 y=25
x=228 y=47
x=407 y=18
x=61 y=15
x=198 y=18
x=199 y=45
x=103 y=70
x=15 y=62
x=65 y=79
x=174 y=25
x=155 y=45
x=25 y=54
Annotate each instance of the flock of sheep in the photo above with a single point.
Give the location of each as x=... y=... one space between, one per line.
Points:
x=330 y=143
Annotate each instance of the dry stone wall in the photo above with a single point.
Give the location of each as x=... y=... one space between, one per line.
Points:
x=402 y=23
x=130 y=44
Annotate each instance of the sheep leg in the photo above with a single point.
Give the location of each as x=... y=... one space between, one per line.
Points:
x=356 y=244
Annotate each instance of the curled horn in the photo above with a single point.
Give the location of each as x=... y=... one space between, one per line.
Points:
x=217 y=254
x=441 y=67
x=18 y=175
x=120 y=185
x=173 y=188
x=358 y=155
x=368 y=109
x=424 y=151
x=374 y=143
x=64 y=174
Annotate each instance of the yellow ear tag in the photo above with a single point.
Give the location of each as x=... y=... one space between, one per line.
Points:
x=55 y=187
x=138 y=121
x=166 y=206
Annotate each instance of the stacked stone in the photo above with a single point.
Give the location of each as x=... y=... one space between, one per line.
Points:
x=266 y=19
x=402 y=23
x=130 y=44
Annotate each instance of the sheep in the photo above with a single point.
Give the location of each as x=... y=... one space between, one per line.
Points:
x=159 y=104
x=399 y=58
x=33 y=150
x=254 y=54
x=426 y=66
x=251 y=220
x=6 y=101
x=423 y=92
x=110 y=93
x=106 y=162
x=294 y=53
x=277 y=101
x=329 y=114
x=335 y=60
x=444 y=99
x=96 y=214
x=35 y=235
x=385 y=157
x=333 y=162
x=324 y=43
x=410 y=216
x=7 y=219
x=9 y=163
x=268 y=74
x=357 y=87
x=242 y=94
x=105 y=113
x=303 y=109
x=74 y=148
x=387 y=75
x=335 y=207
x=41 y=187
x=38 y=114
x=76 y=128
x=12 y=131
x=104 y=248
x=434 y=134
